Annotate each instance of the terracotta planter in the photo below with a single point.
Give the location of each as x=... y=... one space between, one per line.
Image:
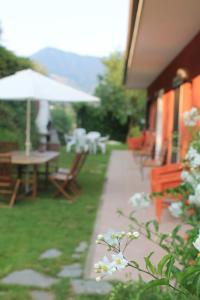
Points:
x=135 y=143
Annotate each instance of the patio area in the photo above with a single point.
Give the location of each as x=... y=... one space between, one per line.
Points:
x=123 y=179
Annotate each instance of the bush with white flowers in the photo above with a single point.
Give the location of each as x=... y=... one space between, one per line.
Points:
x=179 y=269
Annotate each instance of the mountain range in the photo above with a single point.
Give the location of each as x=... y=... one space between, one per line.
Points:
x=79 y=71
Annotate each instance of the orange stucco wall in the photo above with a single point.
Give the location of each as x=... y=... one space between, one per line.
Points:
x=189 y=96
x=185 y=105
x=196 y=91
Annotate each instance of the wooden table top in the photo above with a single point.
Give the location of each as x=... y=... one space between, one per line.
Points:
x=35 y=157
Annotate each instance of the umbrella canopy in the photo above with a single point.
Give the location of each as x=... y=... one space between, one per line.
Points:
x=30 y=85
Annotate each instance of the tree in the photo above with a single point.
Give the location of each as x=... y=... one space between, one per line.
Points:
x=119 y=108
x=13 y=114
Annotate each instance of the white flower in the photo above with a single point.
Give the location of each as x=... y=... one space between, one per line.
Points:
x=176 y=209
x=133 y=235
x=193 y=157
x=136 y=234
x=191 y=117
x=98 y=278
x=105 y=267
x=112 y=237
x=192 y=178
x=100 y=239
x=185 y=176
x=196 y=243
x=195 y=199
x=140 y=200
x=119 y=261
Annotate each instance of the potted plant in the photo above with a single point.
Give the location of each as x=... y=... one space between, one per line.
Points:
x=135 y=138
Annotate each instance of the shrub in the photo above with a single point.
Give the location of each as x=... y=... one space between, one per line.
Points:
x=130 y=291
x=134 y=131
x=63 y=120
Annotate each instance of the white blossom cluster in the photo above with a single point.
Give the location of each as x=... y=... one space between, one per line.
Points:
x=113 y=239
x=193 y=158
x=196 y=243
x=108 y=267
x=193 y=178
x=195 y=199
x=140 y=200
x=191 y=117
x=176 y=209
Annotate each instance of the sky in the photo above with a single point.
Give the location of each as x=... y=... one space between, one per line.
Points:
x=88 y=27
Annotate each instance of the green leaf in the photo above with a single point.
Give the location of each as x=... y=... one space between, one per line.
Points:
x=156 y=225
x=176 y=229
x=134 y=263
x=198 y=287
x=151 y=284
x=163 y=236
x=148 y=233
x=150 y=267
x=162 y=263
x=169 y=266
x=184 y=275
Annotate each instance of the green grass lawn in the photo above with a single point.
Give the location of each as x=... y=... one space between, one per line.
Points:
x=33 y=226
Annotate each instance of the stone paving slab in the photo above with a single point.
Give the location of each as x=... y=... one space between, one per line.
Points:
x=40 y=295
x=90 y=287
x=76 y=256
x=29 y=277
x=124 y=178
x=71 y=271
x=82 y=247
x=51 y=253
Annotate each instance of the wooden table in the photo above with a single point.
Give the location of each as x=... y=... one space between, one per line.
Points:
x=35 y=159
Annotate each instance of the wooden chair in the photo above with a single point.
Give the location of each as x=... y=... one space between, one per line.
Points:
x=148 y=147
x=53 y=165
x=152 y=163
x=8 y=146
x=163 y=178
x=65 y=179
x=8 y=186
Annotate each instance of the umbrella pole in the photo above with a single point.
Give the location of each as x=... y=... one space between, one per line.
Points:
x=28 y=127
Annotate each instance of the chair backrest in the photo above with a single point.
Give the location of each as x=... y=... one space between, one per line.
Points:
x=150 y=145
x=163 y=154
x=8 y=146
x=75 y=164
x=81 y=142
x=78 y=163
x=94 y=134
x=5 y=169
x=104 y=139
x=79 y=131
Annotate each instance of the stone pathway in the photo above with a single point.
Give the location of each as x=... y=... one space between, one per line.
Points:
x=51 y=253
x=71 y=271
x=82 y=247
x=124 y=178
x=90 y=287
x=40 y=295
x=29 y=277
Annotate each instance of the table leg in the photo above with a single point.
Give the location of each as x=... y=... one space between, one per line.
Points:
x=46 y=171
x=35 y=175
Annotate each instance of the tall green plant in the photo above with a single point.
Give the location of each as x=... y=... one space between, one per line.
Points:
x=13 y=114
x=63 y=120
x=119 y=108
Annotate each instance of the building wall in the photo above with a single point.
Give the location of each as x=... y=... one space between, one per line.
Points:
x=188 y=59
x=189 y=95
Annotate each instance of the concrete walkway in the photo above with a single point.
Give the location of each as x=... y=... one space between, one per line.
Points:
x=123 y=180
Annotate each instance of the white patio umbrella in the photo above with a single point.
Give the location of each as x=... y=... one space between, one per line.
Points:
x=30 y=86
